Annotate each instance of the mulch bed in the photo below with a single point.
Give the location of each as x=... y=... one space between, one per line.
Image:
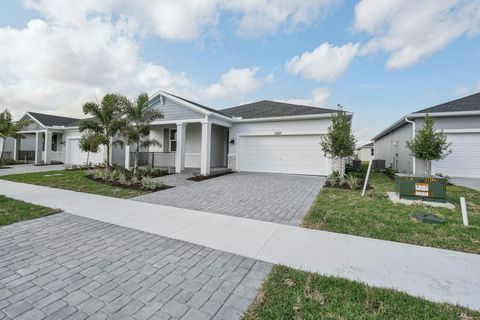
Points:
x=202 y=178
x=135 y=186
x=5 y=167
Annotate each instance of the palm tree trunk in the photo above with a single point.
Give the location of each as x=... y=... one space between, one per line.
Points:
x=137 y=156
x=88 y=158
x=107 y=165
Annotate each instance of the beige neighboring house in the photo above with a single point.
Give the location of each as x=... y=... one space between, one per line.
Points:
x=366 y=152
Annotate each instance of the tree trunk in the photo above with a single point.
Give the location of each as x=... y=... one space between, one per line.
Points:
x=429 y=167
x=88 y=158
x=137 y=156
x=107 y=165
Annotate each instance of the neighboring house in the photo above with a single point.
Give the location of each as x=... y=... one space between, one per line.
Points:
x=264 y=136
x=459 y=119
x=59 y=134
x=366 y=152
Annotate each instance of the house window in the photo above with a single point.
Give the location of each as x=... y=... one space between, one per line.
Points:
x=372 y=152
x=173 y=140
x=54 y=142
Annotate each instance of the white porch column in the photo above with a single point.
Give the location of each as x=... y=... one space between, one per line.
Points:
x=48 y=147
x=38 y=147
x=205 y=151
x=180 y=153
x=127 y=157
x=16 y=148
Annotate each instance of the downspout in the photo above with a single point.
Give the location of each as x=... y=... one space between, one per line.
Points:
x=413 y=136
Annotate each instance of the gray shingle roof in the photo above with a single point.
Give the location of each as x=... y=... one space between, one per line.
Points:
x=468 y=103
x=269 y=109
x=50 y=120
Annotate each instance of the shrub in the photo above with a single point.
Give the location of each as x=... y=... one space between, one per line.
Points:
x=352 y=181
x=148 y=183
x=123 y=179
x=334 y=179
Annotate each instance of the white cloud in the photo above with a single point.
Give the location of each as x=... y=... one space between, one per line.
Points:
x=325 y=63
x=465 y=90
x=53 y=67
x=234 y=83
x=411 y=30
x=186 y=19
x=266 y=16
x=319 y=98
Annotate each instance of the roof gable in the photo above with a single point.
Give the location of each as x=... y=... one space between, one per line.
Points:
x=269 y=109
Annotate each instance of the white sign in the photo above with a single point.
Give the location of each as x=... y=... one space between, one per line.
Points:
x=421 y=189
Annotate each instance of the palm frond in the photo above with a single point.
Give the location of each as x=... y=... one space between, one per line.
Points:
x=91 y=124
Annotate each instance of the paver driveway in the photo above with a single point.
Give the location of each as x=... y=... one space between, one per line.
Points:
x=66 y=266
x=280 y=198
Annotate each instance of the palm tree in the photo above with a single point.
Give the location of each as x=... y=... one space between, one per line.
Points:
x=138 y=118
x=106 y=120
x=10 y=128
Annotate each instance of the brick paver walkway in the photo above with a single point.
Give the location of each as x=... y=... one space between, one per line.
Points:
x=279 y=198
x=70 y=267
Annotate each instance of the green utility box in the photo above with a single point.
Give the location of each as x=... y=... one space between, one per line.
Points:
x=421 y=187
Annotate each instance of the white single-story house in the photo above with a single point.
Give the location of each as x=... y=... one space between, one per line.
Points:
x=459 y=120
x=366 y=152
x=264 y=136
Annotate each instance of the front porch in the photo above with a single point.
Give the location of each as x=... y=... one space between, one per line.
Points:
x=194 y=146
x=30 y=148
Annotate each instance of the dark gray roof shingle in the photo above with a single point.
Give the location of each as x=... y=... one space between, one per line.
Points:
x=269 y=109
x=468 y=103
x=50 y=120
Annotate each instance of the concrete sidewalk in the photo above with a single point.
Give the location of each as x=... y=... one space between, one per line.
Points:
x=436 y=274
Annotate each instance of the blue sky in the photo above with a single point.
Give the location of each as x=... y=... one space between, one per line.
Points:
x=379 y=60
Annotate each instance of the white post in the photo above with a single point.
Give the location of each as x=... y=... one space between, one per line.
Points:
x=366 y=177
x=463 y=205
x=205 y=152
x=38 y=147
x=180 y=153
x=16 y=148
x=127 y=156
x=48 y=147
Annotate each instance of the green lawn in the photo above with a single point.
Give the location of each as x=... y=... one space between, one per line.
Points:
x=12 y=211
x=292 y=294
x=374 y=216
x=73 y=180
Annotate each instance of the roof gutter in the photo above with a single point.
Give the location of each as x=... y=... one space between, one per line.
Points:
x=300 y=117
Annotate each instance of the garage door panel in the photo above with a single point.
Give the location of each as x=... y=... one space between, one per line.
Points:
x=282 y=154
x=78 y=157
x=464 y=161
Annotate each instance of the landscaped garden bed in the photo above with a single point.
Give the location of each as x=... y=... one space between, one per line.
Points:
x=12 y=211
x=294 y=294
x=375 y=216
x=75 y=180
x=125 y=179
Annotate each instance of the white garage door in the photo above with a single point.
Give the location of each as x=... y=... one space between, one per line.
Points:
x=282 y=154
x=78 y=157
x=464 y=161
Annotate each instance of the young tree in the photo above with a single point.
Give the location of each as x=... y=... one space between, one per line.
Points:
x=136 y=130
x=429 y=144
x=339 y=142
x=10 y=128
x=106 y=120
x=90 y=142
